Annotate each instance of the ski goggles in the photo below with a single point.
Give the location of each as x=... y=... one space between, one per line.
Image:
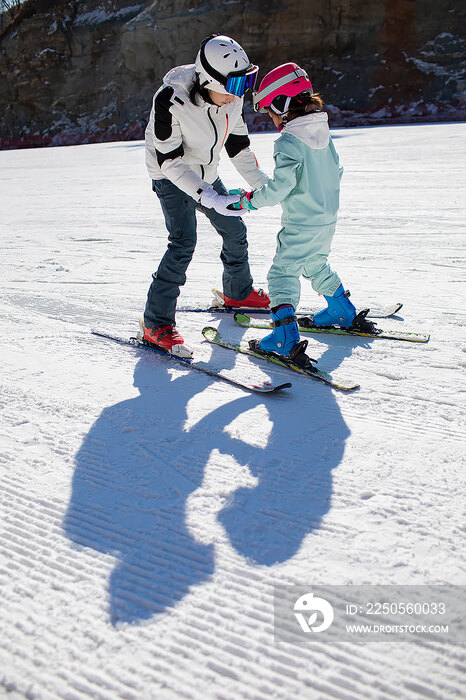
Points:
x=238 y=84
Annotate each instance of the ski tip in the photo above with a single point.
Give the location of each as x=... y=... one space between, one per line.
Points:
x=241 y=318
x=269 y=388
x=285 y=385
x=346 y=386
x=210 y=333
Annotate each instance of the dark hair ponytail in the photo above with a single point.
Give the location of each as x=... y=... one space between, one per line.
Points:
x=304 y=103
x=197 y=89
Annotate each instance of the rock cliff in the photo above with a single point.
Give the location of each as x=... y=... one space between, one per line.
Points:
x=86 y=70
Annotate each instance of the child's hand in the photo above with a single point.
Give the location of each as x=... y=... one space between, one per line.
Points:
x=236 y=206
x=244 y=202
x=239 y=191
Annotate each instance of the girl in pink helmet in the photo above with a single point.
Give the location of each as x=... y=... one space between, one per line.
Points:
x=306 y=182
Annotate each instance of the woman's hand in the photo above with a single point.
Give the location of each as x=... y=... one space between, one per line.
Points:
x=244 y=202
x=210 y=199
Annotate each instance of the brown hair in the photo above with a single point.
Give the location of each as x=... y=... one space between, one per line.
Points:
x=304 y=103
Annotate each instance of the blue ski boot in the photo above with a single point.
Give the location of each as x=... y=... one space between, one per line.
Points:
x=340 y=311
x=284 y=339
x=285 y=334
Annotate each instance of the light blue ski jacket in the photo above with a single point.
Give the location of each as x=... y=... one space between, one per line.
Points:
x=306 y=178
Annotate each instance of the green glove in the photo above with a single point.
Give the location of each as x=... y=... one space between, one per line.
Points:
x=237 y=191
x=236 y=205
x=245 y=201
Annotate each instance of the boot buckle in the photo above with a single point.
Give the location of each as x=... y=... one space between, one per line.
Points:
x=284 y=321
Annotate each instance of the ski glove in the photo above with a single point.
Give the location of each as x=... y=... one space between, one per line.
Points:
x=239 y=191
x=210 y=199
x=244 y=201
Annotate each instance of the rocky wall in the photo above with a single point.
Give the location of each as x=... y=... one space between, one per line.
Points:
x=86 y=70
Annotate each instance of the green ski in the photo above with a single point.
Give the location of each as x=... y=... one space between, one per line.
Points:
x=247 y=322
x=213 y=336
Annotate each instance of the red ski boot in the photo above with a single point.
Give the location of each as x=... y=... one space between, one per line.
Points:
x=258 y=299
x=166 y=338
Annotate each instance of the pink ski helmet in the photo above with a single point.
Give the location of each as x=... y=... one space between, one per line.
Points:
x=284 y=82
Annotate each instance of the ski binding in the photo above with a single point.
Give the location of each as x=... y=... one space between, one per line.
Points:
x=247 y=322
x=213 y=336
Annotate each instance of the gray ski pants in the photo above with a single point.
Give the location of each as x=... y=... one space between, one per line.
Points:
x=179 y=210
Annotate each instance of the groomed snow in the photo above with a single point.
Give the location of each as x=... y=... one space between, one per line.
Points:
x=147 y=510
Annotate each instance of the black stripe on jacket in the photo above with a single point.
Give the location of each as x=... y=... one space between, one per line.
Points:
x=162 y=114
x=176 y=153
x=234 y=144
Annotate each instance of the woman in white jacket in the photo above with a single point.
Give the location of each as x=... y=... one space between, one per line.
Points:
x=196 y=112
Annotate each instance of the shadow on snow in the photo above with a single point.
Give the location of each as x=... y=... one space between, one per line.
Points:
x=138 y=465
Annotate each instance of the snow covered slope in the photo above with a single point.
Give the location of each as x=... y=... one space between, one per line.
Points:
x=147 y=511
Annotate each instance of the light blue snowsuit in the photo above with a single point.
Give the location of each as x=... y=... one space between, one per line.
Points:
x=306 y=181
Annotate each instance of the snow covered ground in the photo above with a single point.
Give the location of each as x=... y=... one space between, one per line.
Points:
x=147 y=511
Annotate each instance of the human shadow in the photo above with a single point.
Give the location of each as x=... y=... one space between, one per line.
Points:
x=267 y=523
x=134 y=472
x=139 y=464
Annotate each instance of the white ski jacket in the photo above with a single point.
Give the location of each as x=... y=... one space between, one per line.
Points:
x=183 y=140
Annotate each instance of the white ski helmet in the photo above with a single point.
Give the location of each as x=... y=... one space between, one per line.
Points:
x=223 y=66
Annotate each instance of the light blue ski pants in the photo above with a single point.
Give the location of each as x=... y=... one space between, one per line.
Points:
x=301 y=251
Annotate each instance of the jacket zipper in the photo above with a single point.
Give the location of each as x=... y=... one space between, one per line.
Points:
x=216 y=137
